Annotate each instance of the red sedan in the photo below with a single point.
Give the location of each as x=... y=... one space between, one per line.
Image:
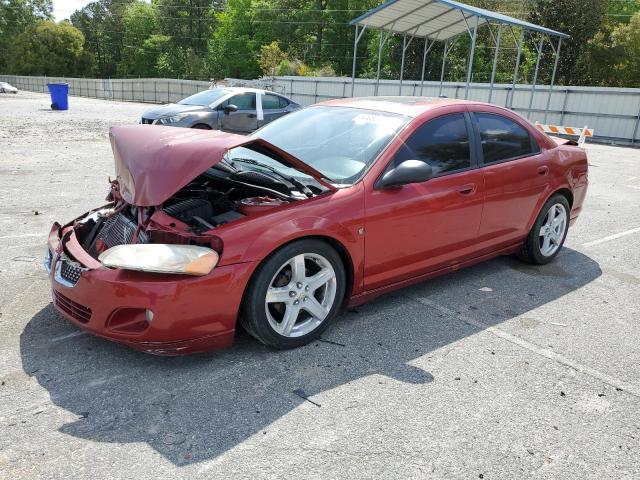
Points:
x=329 y=206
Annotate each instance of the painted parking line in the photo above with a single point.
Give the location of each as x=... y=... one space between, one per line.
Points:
x=532 y=347
x=23 y=235
x=611 y=237
x=67 y=336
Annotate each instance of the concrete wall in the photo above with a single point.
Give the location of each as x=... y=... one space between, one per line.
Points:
x=614 y=113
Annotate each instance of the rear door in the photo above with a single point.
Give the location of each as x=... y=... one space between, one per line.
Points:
x=245 y=119
x=515 y=173
x=273 y=106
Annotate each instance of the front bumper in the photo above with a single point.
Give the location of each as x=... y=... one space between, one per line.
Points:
x=188 y=314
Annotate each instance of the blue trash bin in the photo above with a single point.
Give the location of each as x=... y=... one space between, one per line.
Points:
x=59 y=95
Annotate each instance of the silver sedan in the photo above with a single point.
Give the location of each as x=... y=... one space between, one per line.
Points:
x=240 y=110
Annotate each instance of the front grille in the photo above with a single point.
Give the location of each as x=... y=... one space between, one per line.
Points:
x=147 y=121
x=70 y=270
x=74 y=310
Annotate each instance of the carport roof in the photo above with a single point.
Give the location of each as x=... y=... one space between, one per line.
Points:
x=436 y=19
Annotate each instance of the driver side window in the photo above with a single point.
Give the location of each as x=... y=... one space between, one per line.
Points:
x=244 y=101
x=443 y=143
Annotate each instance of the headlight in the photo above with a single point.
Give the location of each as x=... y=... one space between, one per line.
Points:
x=161 y=258
x=170 y=120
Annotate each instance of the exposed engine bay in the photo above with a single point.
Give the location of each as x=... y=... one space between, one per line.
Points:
x=220 y=195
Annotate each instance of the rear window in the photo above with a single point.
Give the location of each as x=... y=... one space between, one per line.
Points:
x=270 y=102
x=503 y=139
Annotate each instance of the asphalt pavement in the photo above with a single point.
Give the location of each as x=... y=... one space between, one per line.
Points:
x=500 y=371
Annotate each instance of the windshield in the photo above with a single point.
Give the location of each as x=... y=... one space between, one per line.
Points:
x=205 y=98
x=339 y=142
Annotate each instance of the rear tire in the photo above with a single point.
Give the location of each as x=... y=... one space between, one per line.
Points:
x=294 y=295
x=546 y=238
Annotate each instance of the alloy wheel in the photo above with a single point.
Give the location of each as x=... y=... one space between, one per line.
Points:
x=553 y=229
x=301 y=295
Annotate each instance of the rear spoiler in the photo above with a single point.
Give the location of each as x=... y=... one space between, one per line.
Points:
x=564 y=141
x=582 y=133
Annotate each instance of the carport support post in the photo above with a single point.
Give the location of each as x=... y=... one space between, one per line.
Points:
x=553 y=78
x=355 y=56
x=473 y=51
x=495 y=62
x=404 y=49
x=535 y=76
x=515 y=73
x=424 y=62
x=383 y=40
x=444 y=61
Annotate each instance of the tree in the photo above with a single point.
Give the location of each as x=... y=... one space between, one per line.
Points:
x=48 y=48
x=15 y=17
x=270 y=57
x=101 y=24
x=233 y=46
x=627 y=38
x=581 y=19
x=139 y=54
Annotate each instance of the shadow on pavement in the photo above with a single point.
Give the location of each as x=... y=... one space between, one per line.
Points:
x=192 y=409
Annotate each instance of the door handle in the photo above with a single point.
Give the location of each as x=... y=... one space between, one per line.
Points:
x=252 y=115
x=543 y=170
x=467 y=189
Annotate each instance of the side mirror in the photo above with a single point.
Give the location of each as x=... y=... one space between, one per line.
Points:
x=230 y=108
x=409 y=171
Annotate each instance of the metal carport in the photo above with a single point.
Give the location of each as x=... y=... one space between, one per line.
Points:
x=444 y=21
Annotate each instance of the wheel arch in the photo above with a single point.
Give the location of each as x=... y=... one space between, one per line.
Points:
x=566 y=193
x=336 y=244
x=562 y=190
x=201 y=125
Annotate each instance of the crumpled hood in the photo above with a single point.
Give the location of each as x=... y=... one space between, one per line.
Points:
x=154 y=162
x=171 y=109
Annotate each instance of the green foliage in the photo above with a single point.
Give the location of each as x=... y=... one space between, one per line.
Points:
x=270 y=57
x=233 y=46
x=48 y=48
x=613 y=55
x=141 y=45
x=101 y=24
x=582 y=19
x=204 y=39
x=15 y=17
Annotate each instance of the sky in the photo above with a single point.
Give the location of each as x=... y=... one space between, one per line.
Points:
x=64 y=8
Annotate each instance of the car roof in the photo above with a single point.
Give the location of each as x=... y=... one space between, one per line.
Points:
x=405 y=105
x=246 y=89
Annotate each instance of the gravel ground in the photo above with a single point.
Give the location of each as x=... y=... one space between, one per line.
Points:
x=498 y=371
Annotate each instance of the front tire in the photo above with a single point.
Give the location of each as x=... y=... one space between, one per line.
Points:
x=548 y=233
x=294 y=295
x=201 y=126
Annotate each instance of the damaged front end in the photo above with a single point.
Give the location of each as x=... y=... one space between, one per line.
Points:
x=173 y=190
x=145 y=269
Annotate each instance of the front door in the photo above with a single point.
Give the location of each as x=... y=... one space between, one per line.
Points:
x=427 y=226
x=244 y=119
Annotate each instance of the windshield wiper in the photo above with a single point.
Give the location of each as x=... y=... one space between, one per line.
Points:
x=296 y=183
